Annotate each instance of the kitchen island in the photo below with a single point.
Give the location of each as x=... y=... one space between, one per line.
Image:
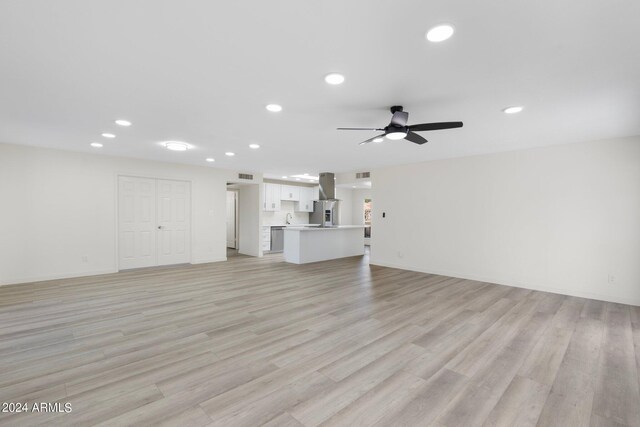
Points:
x=311 y=244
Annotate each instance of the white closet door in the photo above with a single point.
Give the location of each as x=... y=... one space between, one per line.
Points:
x=174 y=222
x=137 y=222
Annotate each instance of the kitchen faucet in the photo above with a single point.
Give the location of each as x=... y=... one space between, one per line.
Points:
x=288 y=218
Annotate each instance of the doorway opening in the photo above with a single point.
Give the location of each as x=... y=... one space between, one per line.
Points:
x=232 y=222
x=243 y=219
x=367 y=221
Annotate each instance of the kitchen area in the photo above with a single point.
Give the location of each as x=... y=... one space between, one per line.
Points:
x=285 y=205
x=304 y=222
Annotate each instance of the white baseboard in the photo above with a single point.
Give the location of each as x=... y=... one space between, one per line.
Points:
x=46 y=278
x=207 y=261
x=516 y=284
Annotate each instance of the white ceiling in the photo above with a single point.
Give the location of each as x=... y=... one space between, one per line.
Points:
x=202 y=72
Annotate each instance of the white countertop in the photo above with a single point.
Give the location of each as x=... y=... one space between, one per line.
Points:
x=339 y=227
x=291 y=225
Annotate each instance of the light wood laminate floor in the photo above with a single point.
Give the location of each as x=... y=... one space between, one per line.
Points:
x=253 y=342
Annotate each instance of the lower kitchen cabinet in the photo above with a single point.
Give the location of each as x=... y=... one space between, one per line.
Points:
x=266 y=238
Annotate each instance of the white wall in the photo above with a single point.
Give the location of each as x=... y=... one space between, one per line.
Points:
x=351 y=207
x=564 y=219
x=249 y=208
x=279 y=218
x=59 y=206
x=345 y=206
x=232 y=219
x=359 y=195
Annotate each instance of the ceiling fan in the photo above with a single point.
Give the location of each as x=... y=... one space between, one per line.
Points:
x=398 y=128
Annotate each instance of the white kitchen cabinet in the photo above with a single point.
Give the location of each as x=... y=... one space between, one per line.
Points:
x=271 y=197
x=290 y=193
x=307 y=196
x=266 y=238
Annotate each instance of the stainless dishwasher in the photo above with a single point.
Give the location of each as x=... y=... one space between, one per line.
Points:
x=277 y=239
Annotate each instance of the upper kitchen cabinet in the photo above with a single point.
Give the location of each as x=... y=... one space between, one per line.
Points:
x=290 y=193
x=272 y=196
x=307 y=196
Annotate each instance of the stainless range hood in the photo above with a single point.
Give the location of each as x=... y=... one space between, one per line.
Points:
x=325 y=209
x=327 y=181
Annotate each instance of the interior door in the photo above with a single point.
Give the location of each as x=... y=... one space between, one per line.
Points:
x=231 y=219
x=174 y=222
x=137 y=222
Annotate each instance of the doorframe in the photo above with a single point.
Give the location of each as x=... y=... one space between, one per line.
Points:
x=236 y=217
x=260 y=194
x=117 y=211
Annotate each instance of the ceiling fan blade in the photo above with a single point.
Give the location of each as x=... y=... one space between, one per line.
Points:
x=400 y=118
x=359 y=129
x=415 y=138
x=371 y=139
x=435 y=126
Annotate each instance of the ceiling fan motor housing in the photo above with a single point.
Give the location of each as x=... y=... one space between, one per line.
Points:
x=394 y=129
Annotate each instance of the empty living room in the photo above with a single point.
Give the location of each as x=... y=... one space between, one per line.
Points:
x=334 y=213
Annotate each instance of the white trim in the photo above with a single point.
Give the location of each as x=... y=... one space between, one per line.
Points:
x=46 y=278
x=208 y=261
x=516 y=284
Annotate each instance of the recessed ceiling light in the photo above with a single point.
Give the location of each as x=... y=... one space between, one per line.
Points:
x=274 y=108
x=297 y=179
x=176 y=145
x=396 y=135
x=380 y=139
x=96 y=145
x=439 y=33
x=108 y=135
x=254 y=146
x=284 y=177
x=230 y=154
x=353 y=186
x=210 y=159
x=121 y=122
x=513 y=110
x=334 y=78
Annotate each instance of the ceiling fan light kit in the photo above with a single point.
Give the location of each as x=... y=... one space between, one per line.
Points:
x=396 y=135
